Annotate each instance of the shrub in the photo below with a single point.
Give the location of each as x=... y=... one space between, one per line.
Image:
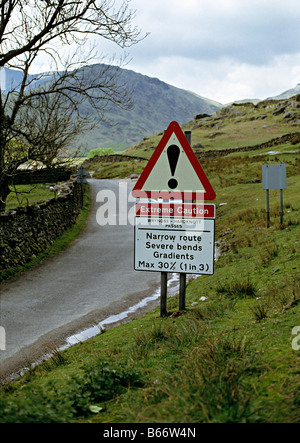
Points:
x=99 y=382
x=237 y=288
x=213 y=385
x=259 y=311
x=100 y=151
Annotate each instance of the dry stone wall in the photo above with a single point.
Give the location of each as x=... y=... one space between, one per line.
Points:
x=45 y=175
x=26 y=232
x=287 y=138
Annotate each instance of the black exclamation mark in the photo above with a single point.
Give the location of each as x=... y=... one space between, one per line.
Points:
x=173 y=152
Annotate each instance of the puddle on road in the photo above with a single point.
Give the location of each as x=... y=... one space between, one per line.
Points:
x=173 y=289
x=85 y=334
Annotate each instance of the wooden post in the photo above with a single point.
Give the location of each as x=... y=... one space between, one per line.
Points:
x=163 y=294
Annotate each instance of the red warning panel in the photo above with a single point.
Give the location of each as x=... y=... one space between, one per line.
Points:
x=181 y=210
x=174 y=171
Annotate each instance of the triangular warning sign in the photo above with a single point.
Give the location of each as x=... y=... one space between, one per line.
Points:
x=173 y=171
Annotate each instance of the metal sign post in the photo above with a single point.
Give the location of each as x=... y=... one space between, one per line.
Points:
x=81 y=179
x=182 y=289
x=268 y=208
x=163 y=294
x=281 y=206
x=182 y=276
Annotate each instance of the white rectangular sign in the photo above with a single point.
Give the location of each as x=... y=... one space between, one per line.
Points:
x=179 y=245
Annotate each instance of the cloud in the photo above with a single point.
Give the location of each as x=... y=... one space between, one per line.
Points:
x=225 y=50
x=225 y=80
x=250 y=31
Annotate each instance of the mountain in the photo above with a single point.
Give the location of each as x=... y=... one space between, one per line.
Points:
x=284 y=95
x=11 y=79
x=155 y=105
x=287 y=94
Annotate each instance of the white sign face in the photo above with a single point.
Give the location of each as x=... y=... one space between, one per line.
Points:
x=184 y=173
x=176 y=245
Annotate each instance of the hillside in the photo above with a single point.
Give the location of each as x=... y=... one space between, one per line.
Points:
x=240 y=125
x=235 y=128
x=287 y=94
x=155 y=104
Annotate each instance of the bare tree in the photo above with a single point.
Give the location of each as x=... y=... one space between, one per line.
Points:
x=43 y=114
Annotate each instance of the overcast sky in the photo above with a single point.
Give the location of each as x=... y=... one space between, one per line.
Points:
x=222 y=49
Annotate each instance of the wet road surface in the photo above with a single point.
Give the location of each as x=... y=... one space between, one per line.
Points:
x=91 y=280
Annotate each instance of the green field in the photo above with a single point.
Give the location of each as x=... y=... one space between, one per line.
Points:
x=26 y=195
x=118 y=170
x=231 y=127
x=232 y=356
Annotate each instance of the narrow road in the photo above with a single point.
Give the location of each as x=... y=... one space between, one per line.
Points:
x=91 y=280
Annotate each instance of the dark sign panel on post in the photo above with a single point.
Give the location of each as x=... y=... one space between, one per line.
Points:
x=274 y=177
x=81 y=175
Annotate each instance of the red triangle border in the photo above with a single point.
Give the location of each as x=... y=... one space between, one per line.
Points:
x=173 y=127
